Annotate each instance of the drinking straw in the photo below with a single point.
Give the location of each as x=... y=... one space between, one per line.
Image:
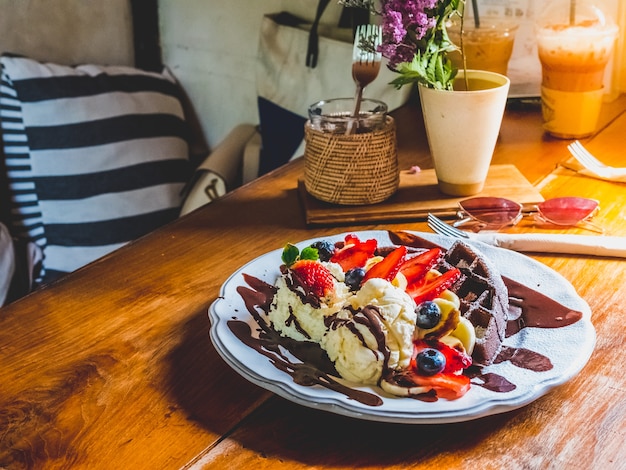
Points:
x=572 y=12
x=477 y=16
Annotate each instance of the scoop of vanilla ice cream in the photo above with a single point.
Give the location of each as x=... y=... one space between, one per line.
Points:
x=352 y=344
x=301 y=321
x=397 y=310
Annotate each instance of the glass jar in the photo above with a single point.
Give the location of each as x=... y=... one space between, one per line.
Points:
x=335 y=115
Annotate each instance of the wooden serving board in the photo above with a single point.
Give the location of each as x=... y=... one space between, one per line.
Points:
x=417 y=195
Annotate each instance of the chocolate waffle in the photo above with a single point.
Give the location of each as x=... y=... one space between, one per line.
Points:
x=484 y=299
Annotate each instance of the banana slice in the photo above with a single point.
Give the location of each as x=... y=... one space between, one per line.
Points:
x=466 y=333
x=372 y=261
x=451 y=297
x=400 y=281
x=453 y=342
x=450 y=317
x=401 y=391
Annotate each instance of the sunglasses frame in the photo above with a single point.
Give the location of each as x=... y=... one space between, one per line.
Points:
x=511 y=212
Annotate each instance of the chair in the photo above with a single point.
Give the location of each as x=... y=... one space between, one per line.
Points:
x=94 y=155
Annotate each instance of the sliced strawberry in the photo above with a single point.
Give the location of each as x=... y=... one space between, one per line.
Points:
x=350 y=257
x=416 y=267
x=352 y=239
x=354 y=253
x=388 y=267
x=448 y=383
x=315 y=276
x=432 y=288
x=449 y=386
x=456 y=360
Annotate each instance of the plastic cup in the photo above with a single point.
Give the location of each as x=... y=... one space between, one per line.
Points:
x=488 y=47
x=570 y=114
x=573 y=58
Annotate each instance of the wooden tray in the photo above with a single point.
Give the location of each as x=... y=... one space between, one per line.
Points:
x=418 y=195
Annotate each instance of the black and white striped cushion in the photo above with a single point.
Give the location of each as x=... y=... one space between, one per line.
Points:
x=95 y=156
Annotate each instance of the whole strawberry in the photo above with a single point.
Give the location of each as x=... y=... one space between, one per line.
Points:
x=308 y=271
x=314 y=276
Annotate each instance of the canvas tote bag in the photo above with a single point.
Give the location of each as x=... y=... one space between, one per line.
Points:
x=298 y=64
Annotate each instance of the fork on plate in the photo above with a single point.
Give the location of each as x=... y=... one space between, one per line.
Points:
x=593 y=166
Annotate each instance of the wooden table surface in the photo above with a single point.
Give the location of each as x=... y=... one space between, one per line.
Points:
x=112 y=366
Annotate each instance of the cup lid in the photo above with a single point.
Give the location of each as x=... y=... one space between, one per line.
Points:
x=590 y=14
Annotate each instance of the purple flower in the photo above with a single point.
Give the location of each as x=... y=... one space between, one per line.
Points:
x=415 y=41
x=404 y=22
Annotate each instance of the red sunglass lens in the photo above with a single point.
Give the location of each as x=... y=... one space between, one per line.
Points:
x=491 y=210
x=567 y=210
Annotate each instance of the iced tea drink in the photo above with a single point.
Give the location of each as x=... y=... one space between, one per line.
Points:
x=488 y=47
x=573 y=60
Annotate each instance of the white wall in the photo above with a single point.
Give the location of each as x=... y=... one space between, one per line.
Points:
x=211 y=46
x=68 y=31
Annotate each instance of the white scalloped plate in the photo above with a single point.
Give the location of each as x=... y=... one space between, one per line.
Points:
x=568 y=348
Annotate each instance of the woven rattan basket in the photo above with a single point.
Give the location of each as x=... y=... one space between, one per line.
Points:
x=355 y=169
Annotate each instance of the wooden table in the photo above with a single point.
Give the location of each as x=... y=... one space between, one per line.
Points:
x=112 y=366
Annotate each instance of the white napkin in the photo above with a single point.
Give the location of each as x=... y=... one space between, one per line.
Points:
x=618 y=178
x=596 y=245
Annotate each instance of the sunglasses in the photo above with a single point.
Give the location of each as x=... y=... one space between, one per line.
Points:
x=497 y=212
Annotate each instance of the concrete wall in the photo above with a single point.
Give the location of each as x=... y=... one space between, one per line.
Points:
x=68 y=31
x=211 y=46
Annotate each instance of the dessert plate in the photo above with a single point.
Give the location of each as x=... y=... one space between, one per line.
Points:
x=234 y=329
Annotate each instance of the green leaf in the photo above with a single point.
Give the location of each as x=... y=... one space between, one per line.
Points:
x=430 y=65
x=290 y=254
x=309 y=253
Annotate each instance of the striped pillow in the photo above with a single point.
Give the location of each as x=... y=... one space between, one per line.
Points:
x=95 y=156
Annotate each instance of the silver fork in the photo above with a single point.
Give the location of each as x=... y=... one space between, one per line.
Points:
x=366 y=62
x=439 y=226
x=596 y=245
x=594 y=165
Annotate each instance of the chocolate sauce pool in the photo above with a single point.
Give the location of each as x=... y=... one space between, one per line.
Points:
x=528 y=308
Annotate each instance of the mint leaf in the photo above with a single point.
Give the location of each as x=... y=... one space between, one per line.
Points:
x=310 y=253
x=290 y=254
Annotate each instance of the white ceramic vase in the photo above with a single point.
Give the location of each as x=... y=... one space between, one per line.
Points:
x=462 y=129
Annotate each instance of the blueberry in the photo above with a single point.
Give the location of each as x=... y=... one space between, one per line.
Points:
x=430 y=361
x=325 y=249
x=428 y=315
x=354 y=277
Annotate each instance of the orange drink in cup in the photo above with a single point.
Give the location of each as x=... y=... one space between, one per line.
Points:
x=486 y=47
x=574 y=50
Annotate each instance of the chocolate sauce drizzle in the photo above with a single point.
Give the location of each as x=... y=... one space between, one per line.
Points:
x=315 y=367
x=371 y=318
x=529 y=308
